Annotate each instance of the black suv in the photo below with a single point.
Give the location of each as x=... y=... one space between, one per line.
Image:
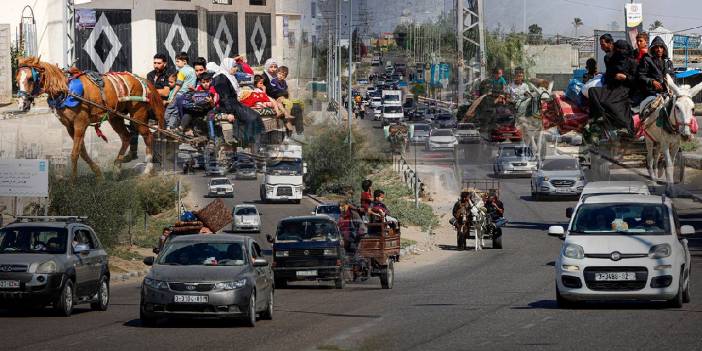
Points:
x=56 y=261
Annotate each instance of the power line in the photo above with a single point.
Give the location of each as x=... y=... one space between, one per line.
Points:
x=622 y=11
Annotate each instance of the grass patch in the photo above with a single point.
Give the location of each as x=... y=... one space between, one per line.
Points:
x=689 y=146
x=147 y=237
x=400 y=200
x=405 y=243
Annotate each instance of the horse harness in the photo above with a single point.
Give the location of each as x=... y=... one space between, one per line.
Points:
x=664 y=105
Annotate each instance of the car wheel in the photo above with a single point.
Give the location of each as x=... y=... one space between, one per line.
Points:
x=64 y=302
x=536 y=197
x=677 y=300
x=268 y=313
x=147 y=320
x=251 y=314
x=562 y=302
x=686 y=292
x=103 y=296
x=297 y=201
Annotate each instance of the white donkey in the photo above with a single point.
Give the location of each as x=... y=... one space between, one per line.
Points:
x=661 y=142
x=479 y=214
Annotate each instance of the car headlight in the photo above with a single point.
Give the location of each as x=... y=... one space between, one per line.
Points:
x=47 y=267
x=573 y=251
x=231 y=285
x=543 y=179
x=156 y=284
x=329 y=252
x=659 y=251
x=282 y=253
x=269 y=188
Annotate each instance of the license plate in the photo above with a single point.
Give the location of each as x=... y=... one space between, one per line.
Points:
x=614 y=276
x=307 y=273
x=9 y=284
x=190 y=299
x=563 y=190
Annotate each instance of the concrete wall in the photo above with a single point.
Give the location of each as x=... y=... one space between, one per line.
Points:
x=49 y=18
x=5 y=65
x=551 y=59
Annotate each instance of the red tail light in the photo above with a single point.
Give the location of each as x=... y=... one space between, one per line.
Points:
x=338 y=262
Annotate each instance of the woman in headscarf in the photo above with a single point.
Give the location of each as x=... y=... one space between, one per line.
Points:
x=271 y=69
x=611 y=101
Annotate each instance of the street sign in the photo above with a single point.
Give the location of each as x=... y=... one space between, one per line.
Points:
x=24 y=178
x=684 y=41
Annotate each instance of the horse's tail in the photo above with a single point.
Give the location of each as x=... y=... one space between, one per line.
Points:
x=156 y=104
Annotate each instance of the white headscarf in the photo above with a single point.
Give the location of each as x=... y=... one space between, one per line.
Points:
x=267 y=65
x=225 y=68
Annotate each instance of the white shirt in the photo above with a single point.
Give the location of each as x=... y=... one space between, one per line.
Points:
x=517 y=91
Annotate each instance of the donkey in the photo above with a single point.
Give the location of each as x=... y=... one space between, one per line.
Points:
x=661 y=142
x=35 y=77
x=479 y=219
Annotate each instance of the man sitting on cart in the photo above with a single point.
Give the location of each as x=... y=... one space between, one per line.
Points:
x=462 y=203
x=495 y=208
x=379 y=213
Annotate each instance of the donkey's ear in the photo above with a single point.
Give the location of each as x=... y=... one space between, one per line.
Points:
x=672 y=85
x=695 y=90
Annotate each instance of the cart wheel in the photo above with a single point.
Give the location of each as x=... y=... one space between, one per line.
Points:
x=497 y=239
x=387 y=278
x=679 y=168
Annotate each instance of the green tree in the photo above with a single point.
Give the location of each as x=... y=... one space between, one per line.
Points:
x=655 y=25
x=577 y=23
x=506 y=51
x=535 y=35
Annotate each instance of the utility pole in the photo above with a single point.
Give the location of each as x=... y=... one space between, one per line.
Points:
x=469 y=19
x=338 y=61
x=350 y=91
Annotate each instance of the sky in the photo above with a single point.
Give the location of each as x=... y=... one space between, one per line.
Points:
x=554 y=16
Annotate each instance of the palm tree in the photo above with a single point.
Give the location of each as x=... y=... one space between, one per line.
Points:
x=655 y=25
x=577 y=22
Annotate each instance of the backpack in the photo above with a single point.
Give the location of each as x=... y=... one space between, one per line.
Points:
x=196 y=101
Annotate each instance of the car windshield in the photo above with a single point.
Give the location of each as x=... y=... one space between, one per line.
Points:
x=560 y=165
x=329 y=209
x=421 y=127
x=188 y=253
x=521 y=151
x=391 y=98
x=307 y=230
x=442 y=132
x=247 y=166
x=466 y=126
x=219 y=182
x=284 y=167
x=245 y=211
x=392 y=109
x=33 y=240
x=627 y=218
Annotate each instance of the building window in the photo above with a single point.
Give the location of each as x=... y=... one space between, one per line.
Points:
x=257 y=2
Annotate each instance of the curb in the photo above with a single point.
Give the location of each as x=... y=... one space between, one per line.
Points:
x=122 y=277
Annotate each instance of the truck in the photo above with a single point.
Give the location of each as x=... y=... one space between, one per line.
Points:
x=392 y=97
x=283 y=172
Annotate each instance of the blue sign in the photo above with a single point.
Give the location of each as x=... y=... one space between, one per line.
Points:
x=684 y=41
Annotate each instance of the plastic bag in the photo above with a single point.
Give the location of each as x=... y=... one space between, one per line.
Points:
x=574 y=90
x=594 y=82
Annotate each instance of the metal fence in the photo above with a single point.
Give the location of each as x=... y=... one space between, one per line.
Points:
x=408 y=175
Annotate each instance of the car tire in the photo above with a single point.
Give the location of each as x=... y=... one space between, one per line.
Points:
x=340 y=282
x=297 y=201
x=677 y=300
x=103 y=295
x=63 y=305
x=251 y=314
x=387 y=277
x=562 y=302
x=687 y=297
x=267 y=314
x=147 y=320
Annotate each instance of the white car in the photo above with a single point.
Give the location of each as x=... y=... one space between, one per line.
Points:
x=220 y=187
x=441 y=139
x=623 y=248
x=376 y=101
x=614 y=187
x=247 y=218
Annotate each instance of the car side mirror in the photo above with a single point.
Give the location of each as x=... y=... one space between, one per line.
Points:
x=149 y=261
x=260 y=262
x=687 y=230
x=313 y=213
x=569 y=212
x=556 y=230
x=156 y=250
x=81 y=249
x=269 y=238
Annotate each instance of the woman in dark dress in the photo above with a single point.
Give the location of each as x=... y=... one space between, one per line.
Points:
x=610 y=103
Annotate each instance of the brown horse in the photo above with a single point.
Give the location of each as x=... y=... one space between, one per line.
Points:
x=35 y=77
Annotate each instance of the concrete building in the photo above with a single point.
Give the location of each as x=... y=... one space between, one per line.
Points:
x=296 y=24
x=124 y=34
x=552 y=62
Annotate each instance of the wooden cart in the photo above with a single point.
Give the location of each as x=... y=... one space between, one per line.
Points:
x=376 y=253
x=484 y=187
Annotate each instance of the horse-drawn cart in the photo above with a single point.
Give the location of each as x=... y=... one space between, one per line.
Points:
x=376 y=253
